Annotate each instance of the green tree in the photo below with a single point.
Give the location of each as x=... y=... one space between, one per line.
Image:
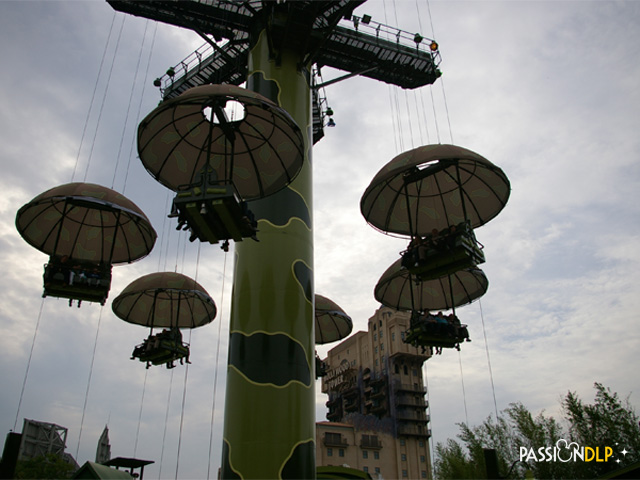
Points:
x=453 y=462
x=44 y=466
x=607 y=423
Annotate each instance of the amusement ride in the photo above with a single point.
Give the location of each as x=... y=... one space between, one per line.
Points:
x=238 y=160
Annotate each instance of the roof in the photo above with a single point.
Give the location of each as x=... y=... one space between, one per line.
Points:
x=128 y=462
x=94 y=470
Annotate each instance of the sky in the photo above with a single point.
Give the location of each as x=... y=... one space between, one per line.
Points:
x=547 y=91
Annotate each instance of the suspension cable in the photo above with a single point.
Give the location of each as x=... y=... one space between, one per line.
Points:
x=486 y=346
x=464 y=395
x=166 y=420
x=398 y=119
x=26 y=373
x=180 y=239
x=144 y=388
x=393 y=121
x=419 y=117
x=186 y=372
x=433 y=32
x=144 y=83
x=184 y=399
x=446 y=108
x=435 y=115
x=126 y=117
x=424 y=110
x=215 y=375
x=424 y=114
x=86 y=394
x=93 y=96
x=406 y=99
x=393 y=98
x=162 y=230
x=104 y=97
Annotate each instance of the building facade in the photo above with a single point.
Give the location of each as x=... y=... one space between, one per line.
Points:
x=378 y=420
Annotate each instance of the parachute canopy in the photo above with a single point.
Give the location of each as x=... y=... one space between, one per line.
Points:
x=88 y=223
x=397 y=289
x=260 y=151
x=433 y=187
x=165 y=300
x=332 y=324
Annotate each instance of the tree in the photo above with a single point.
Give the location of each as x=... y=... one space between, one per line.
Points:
x=608 y=422
x=525 y=445
x=44 y=466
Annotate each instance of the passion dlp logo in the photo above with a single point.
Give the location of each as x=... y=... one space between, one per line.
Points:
x=569 y=452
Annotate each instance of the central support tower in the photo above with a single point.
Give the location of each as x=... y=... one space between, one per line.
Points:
x=271 y=350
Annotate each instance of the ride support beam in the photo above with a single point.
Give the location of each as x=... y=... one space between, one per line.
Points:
x=269 y=424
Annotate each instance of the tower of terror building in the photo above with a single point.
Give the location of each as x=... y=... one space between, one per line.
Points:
x=377 y=407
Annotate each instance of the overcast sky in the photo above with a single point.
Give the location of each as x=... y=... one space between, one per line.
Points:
x=548 y=91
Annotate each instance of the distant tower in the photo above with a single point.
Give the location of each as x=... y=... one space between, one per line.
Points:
x=103 y=452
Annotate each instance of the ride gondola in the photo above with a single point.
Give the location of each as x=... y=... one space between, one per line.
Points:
x=168 y=301
x=218 y=147
x=436 y=330
x=85 y=229
x=435 y=195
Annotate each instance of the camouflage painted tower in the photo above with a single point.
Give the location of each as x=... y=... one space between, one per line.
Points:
x=269 y=429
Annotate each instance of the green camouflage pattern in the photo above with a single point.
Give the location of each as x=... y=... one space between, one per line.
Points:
x=269 y=428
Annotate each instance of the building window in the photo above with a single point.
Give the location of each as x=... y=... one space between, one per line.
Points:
x=382 y=347
x=421 y=443
x=405 y=474
x=375 y=337
x=397 y=368
x=376 y=362
x=415 y=372
x=402 y=335
x=329 y=452
x=341 y=452
x=393 y=336
x=422 y=459
x=333 y=438
x=374 y=327
x=403 y=457
x=381 y=332
x=365 y=469
x=376 y=455
x=402 y=442
x=377 y=469
x=365 y=454
x=405 y=370
x=376 y=350
x=424 y=474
